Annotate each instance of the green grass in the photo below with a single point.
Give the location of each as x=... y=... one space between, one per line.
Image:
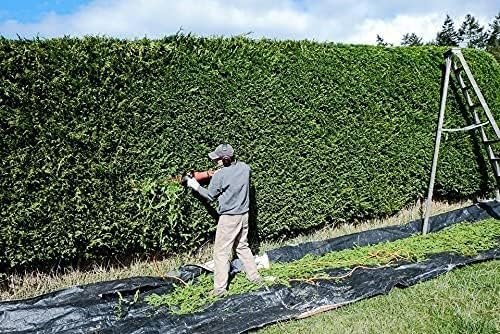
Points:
x=465 y=238
x=466 y=300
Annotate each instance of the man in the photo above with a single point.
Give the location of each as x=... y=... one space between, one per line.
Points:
x=231 y=186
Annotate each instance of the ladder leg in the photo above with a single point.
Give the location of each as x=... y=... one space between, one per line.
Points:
x=478 y=93
x=491 y=154
x=428 y=206
x=484 y=138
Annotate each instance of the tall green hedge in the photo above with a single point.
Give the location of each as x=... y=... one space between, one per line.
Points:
x=92 y=129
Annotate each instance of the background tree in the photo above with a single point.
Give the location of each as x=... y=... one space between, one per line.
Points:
x=493 y=40
x=494 y=32
x=448 y=36
x=411 y=40
x=381 y=42
x=471 y=33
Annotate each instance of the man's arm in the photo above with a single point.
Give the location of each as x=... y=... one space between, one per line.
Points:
x=211 y=193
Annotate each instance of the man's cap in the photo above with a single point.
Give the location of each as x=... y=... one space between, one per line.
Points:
x=223 y=150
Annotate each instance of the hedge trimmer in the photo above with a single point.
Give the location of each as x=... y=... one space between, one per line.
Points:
x=201 y=177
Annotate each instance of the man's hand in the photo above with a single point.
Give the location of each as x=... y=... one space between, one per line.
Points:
x=192 y=183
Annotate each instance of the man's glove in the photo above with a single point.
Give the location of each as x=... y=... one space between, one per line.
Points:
x=192 y=183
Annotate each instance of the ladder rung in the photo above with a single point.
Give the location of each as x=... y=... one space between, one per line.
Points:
x=491 y=141
x=495 y=158
x=466 y=128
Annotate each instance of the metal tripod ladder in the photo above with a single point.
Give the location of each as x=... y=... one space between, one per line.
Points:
x=469 y=88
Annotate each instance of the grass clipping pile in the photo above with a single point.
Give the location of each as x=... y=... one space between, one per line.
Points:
x=462 y=239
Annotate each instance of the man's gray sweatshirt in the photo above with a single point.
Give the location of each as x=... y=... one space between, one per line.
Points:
x=231 y=186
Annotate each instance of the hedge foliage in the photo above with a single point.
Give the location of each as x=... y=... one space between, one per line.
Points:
x=94 y=128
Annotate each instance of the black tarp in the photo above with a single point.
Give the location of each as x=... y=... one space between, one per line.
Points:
x=239 y=314
x=94 y=308
x=471 y=213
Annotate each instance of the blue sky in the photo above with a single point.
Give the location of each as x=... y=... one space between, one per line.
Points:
x=30 y=11
x=357 y=21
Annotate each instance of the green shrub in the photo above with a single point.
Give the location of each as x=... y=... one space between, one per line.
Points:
x=93 y=129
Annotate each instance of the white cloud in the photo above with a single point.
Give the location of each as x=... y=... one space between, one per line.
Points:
x=334 y=20
x=425 y=26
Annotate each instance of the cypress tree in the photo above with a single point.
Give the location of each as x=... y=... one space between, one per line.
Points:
x=448 y=36
x=471 y=33
x=493 y=40
x=411 y=40
x=494 y=32
x=381 y=42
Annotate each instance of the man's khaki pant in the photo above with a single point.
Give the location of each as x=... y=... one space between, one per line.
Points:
x=232 y=233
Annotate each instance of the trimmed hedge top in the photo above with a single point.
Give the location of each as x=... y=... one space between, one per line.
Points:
x=93 y=129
